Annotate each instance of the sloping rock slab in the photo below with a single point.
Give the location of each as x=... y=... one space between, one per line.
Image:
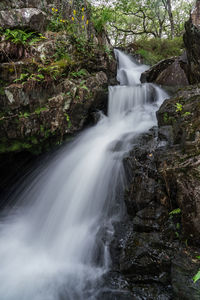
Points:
x=169 y=72
x=31 y=18
x=152 y=74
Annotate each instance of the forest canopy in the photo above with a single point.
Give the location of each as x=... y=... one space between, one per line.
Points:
x=127 y=21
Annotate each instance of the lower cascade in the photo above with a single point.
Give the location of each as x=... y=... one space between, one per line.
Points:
x=54 y=244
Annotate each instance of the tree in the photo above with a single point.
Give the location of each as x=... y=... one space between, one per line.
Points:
x=131 y=19
x=168 y=7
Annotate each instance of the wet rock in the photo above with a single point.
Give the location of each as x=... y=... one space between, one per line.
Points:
x=141 y=172
x=114 y=286
x=145 y=254
x=150 y=219
x=165 y=134
x=184 y=267
x=152 y=292
x=30 y=18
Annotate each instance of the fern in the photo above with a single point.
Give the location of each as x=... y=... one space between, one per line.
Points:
x=175 y=211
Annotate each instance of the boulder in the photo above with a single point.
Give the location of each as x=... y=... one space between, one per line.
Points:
x=168 y=72
x=26 y=18
x=7 y=4
x=152 y=74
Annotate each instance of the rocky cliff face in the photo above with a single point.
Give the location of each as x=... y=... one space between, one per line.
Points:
x=54 y=72
x=156 y=249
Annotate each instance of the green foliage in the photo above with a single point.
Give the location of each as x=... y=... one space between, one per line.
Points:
x=108 y=51
x=15 y=146
x=80 y=42
x=42 y=128
x=126 y=21
x=196 y=277
x=24 y=115
x=57 y=23
x=154 y=50
x=83 y=86
x=24 y=77
x=68 y=120
x=175 y=211
x=100 y=17
x=149 y=57
x=179 y=107
x=57 y=68
x=187 y=113
x=61 y=52
x=165 y=117
x=39 y=110
x=24 y=37
x=80 y=73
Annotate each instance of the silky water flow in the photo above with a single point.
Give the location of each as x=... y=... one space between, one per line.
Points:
x=54 y=244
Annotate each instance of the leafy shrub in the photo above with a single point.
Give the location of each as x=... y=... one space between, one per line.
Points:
x=154 y=50
x=100 y=16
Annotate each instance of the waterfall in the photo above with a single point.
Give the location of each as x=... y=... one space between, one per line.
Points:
x=54 y=244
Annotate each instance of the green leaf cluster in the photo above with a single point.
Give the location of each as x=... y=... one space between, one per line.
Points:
x=19 y=36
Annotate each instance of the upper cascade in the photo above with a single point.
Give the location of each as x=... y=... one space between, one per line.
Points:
x=129 y=71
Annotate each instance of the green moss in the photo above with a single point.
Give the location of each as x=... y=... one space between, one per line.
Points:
x=40 y=109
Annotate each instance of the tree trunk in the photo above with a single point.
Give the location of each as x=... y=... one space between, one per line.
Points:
x=171 y=19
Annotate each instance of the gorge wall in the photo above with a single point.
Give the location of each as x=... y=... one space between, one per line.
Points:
x=50 y=89
x=157 y=249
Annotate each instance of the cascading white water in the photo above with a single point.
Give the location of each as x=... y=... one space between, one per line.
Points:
x=51 y=244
